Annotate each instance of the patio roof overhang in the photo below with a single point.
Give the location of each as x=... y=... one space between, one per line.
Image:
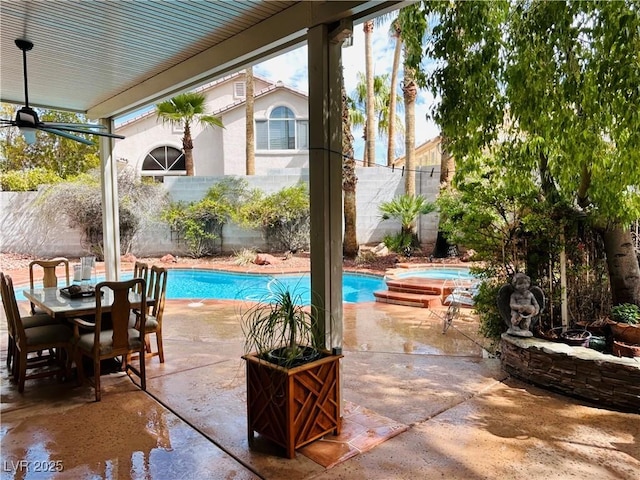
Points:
x=106 y=59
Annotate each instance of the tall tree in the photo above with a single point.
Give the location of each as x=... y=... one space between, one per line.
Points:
x=381 y=99
x=250 y=126
x=349 y=180
x=182 y=111
x=370 y=128
x=550 y=90
x=397 y=53
x=65 y=157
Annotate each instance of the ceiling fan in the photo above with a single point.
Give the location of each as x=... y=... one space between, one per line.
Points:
x=28 y=122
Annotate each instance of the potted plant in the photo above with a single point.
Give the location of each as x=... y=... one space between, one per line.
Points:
x=626 y=330
x=293 y=391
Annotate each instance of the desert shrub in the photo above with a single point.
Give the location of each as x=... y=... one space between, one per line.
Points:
x=283 y=216
x=80 y=202
x=244 y=257
x=198 y=225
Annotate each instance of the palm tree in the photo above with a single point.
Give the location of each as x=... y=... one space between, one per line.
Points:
x=381 y=97
x=391 y=135
x=349 y=181
x=182 y=110
x=250 y=138
x=370 y=131
x=407 y=208
x=410 y=91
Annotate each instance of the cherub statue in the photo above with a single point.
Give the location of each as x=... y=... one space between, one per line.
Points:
x=519 y=303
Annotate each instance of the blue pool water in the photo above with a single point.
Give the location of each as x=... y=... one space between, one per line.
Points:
x=201 y=284
x=206 y=284
x=438 y=273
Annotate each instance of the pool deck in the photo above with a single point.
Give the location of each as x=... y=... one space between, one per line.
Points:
x=417 y=404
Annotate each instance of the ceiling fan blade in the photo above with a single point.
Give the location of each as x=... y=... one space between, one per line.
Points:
x=66 y=135
x=44 y=126
x=78 y=125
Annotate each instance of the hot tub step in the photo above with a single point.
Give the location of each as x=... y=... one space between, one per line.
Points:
x=407 y=299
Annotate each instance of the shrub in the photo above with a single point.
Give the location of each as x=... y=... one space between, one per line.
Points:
x=199 y=224
x=626 y=313
x=27 y=181
x=283 y=216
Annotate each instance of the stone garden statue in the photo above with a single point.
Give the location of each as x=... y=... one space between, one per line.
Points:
x=519 y=304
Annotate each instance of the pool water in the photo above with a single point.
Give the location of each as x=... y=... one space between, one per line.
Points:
x=213 y=284
x=203 y=284
x=438 y=273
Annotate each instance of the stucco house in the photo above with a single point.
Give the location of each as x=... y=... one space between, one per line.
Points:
x=281 y=133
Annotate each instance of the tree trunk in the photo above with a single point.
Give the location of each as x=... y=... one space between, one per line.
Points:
x=250 y=140
x=410 y=92
x=391 y=145
x=187 y=147
x=622 y=263
x=350 y=242
x=370 y=143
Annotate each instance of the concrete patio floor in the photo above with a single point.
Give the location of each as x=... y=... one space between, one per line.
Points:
x=439 y=406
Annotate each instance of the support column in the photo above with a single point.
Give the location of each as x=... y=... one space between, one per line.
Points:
x=325 y=180
x=110 y=216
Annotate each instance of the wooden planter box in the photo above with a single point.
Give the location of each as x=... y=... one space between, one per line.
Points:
x=295 y=406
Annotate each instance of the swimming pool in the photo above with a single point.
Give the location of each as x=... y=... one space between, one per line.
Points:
x=200 y=284
x=439 y=273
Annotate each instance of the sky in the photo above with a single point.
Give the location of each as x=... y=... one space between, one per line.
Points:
x=291 y=69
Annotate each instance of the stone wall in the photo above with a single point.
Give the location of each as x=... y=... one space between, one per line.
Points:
x=581 y=372
x=23 y=232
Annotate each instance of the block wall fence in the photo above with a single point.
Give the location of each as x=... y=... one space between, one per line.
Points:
x=23 y=232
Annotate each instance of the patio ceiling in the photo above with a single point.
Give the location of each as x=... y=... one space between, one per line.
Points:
x=106 y=59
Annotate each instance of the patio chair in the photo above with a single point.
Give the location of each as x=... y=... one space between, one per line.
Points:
x=53 y=337
x=157 y=292
x=119 y=340
x=49 y=277
x=141 y=270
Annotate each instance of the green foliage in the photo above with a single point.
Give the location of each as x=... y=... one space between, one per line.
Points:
x=186 y=108
x=402 y=242
x=626 y=313
x=406 y=209
x=199 y=224
x=283 y=216
x=27 y=180
x=66 y=158
x=81 y=202
x=491 y=323
x=280 y=321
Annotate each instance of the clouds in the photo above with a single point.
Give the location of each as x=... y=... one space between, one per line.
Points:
x=291 y=68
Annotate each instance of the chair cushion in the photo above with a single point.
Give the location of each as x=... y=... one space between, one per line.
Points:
x=150 y=325
x=48 y=334
x=85 y=342
x=38 y=320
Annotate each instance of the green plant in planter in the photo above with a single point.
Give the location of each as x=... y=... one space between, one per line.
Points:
x=626 y=313
x=280 y=328
x=293 y=387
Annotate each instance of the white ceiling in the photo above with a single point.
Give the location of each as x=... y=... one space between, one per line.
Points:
x=109 y=58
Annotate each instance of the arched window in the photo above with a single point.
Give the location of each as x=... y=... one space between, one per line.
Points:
x=281 y=131
x=162 y=161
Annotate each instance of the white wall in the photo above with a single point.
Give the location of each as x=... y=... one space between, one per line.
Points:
x=22 y=232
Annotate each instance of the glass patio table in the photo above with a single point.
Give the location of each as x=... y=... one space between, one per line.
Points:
x=58 y=305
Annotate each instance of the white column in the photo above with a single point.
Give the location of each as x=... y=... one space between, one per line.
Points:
x=325 y=180
x=110 y=217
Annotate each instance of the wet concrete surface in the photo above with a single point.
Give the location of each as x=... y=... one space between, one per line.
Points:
x=464 y=417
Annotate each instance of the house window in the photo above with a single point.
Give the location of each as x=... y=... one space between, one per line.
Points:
x=239 y=90
x=163 y=161
x=282 y=131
